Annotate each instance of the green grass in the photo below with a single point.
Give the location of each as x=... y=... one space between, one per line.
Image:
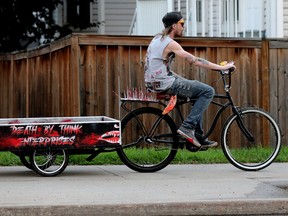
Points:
x=201 y=157
x=183 y=157
x=9 y=159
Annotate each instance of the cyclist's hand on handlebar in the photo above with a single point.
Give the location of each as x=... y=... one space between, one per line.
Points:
x=228 y=66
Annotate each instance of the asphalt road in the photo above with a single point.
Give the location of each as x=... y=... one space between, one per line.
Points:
x=116 y=190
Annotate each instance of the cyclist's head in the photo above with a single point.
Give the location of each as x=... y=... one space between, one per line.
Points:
x=172 y=18
x=173 y=21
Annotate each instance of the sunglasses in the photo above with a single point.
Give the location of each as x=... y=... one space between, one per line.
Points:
x=181 y=22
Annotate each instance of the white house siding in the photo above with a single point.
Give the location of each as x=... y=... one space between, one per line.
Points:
x=94 y=11
x=118 y=16
x=285 y=13
x=149 y=16
x=265 y=16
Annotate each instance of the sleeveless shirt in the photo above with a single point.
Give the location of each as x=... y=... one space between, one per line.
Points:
x=157 y=69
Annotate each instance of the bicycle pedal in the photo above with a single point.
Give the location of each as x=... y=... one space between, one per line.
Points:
x=192 y=148
x=204 y=148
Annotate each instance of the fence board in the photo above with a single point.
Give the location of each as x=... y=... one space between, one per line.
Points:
x=282 y=88
x=55 y=101
x=112 y=82
x=101 y=68
x=74 y=87
x=5 y=91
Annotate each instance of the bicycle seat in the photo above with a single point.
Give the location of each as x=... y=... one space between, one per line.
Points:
x=163 y=95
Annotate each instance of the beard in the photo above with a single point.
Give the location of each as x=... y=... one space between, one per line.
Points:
x=179 y=33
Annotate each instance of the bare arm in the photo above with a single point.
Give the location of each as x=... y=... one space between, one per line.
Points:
x=179 y=51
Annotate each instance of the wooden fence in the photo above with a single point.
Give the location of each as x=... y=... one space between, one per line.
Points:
x=83 y=74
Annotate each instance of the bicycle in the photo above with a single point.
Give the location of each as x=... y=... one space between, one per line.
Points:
x=146 y=132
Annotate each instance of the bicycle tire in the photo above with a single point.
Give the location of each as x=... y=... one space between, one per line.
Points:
x=255 y=154
x=143 y=152
x=49 y=162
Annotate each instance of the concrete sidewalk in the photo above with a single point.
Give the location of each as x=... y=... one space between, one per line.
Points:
x=116 y=190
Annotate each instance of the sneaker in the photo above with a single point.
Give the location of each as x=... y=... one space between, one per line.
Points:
x=209 y=143
x=189 y=134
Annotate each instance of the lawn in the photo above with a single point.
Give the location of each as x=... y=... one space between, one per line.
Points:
x=183 y=157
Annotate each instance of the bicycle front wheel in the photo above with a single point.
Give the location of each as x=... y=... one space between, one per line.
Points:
x=253 y=141
x=149 y=140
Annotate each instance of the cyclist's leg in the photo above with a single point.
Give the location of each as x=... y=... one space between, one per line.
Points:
x=194 y=89
x=203 y=94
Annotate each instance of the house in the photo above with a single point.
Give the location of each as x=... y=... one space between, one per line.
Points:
x=204 y=18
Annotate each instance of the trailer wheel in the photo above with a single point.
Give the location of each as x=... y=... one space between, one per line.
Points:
x=25 y=160
x=49 y=162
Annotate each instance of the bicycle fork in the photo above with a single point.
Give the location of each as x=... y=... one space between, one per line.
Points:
x=241 y=124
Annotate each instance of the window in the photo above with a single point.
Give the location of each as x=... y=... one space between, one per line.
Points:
x=78 y=11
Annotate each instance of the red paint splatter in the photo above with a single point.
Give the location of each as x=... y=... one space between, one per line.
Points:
x=54 y=133
x=90 y=140
x=14 y=122
x=67 y=120
x=8 y=143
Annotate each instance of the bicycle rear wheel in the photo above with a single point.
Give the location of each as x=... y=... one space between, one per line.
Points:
x=263 y=146
x=149 y=140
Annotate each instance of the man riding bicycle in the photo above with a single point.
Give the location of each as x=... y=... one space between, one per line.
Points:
x=159 y=77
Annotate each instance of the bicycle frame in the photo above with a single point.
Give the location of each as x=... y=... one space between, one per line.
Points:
x=223 y=106
x=216 y=117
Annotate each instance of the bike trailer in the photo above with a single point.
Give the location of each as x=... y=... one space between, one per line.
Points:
x=59 y=132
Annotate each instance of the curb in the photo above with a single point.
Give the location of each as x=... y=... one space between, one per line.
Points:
x=221 y=207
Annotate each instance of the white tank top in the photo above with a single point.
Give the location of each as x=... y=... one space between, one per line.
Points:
x=157 y=69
